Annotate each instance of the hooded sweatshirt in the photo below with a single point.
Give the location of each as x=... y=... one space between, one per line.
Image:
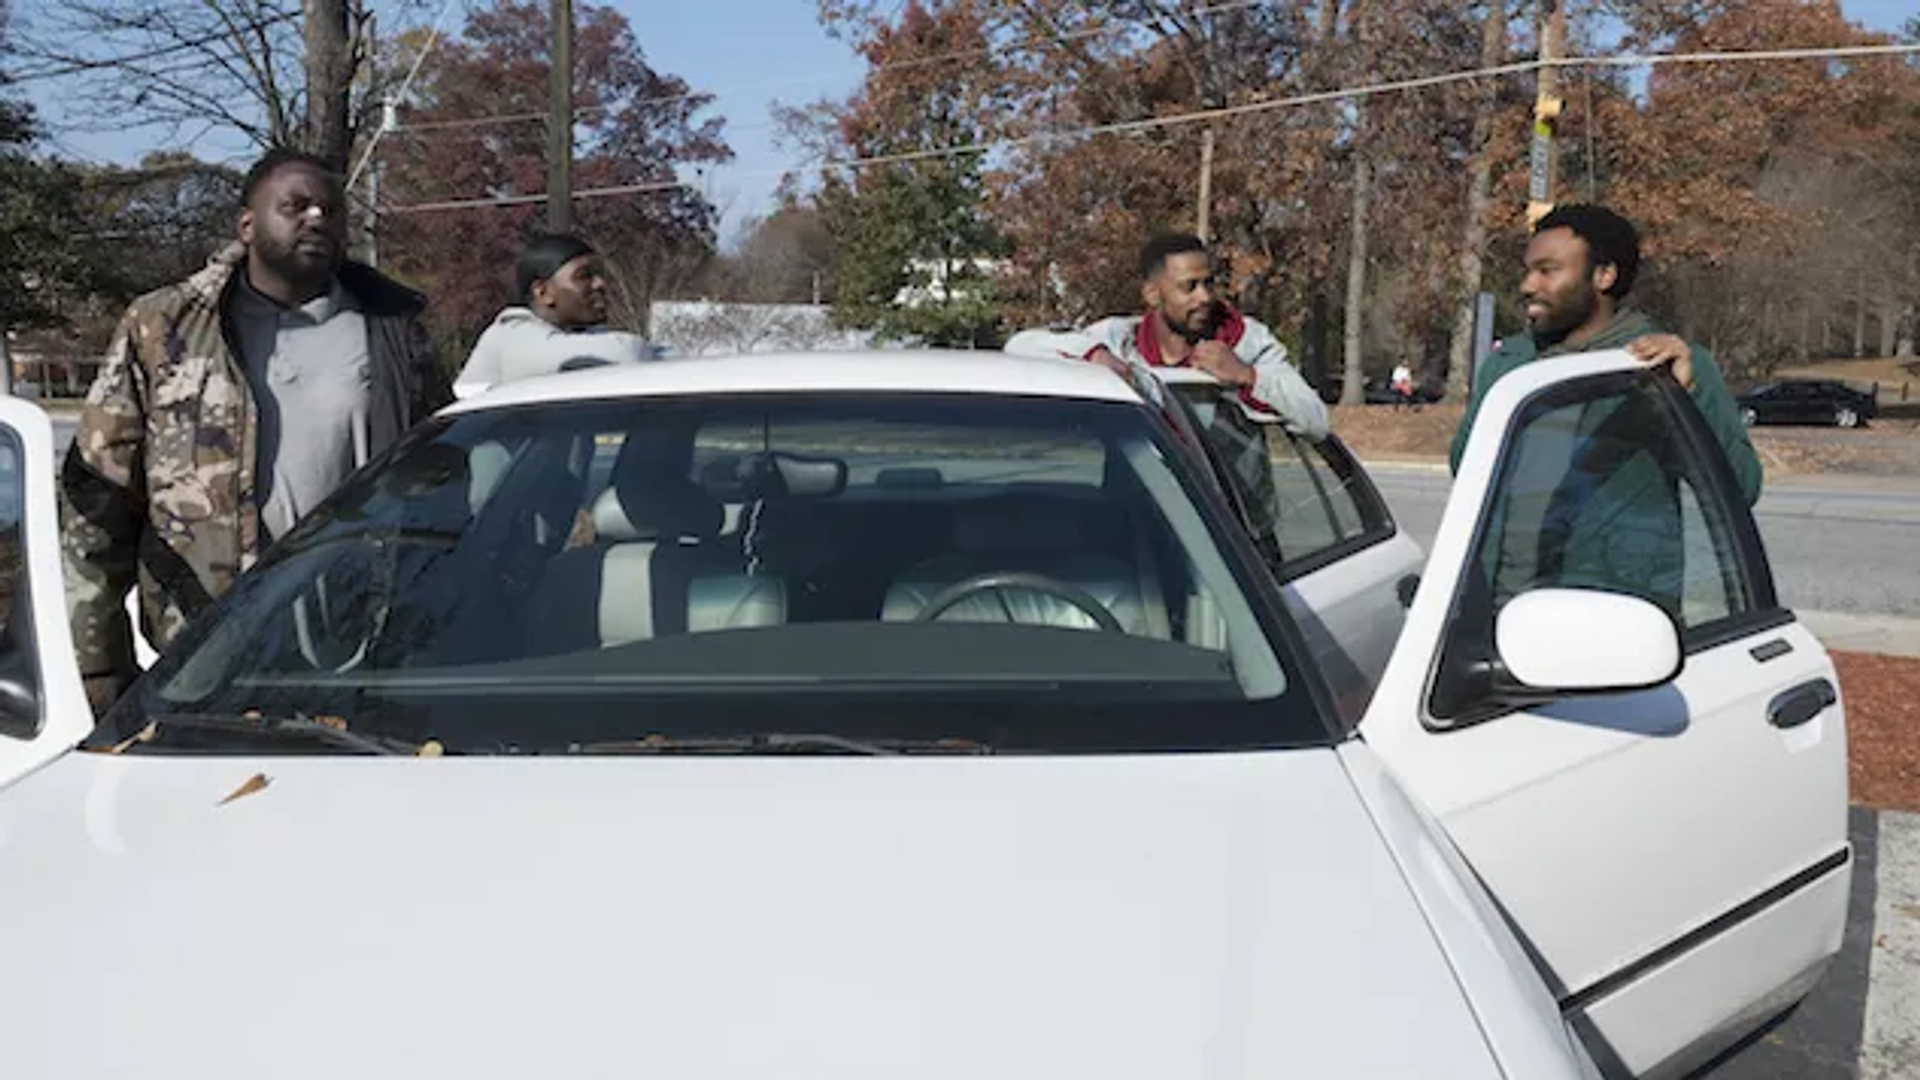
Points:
x=520 y=344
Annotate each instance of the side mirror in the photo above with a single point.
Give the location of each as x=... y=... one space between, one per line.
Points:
x=1584 y=641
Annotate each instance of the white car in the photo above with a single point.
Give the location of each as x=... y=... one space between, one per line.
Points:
x=918 y=715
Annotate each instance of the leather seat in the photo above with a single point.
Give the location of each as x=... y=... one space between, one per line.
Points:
x=1051 y=537
x=658 y=566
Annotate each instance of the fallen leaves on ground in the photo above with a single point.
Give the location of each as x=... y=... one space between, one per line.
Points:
x=1882 y=696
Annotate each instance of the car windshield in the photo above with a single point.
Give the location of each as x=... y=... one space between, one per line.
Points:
x=1032 y=574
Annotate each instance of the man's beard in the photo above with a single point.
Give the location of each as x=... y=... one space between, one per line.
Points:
x=1209 y=322
x=1556 y=327
x=296 y=267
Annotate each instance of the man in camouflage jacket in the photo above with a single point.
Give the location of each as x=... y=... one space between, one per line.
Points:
x=164 y=480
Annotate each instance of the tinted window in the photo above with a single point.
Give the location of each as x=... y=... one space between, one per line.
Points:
x=1600 y=494
x=1606 y=491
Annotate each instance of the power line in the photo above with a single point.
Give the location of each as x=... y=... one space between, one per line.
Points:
x=1021 y=45
x=1128 y=127
x=433 y=38
x=528 y=200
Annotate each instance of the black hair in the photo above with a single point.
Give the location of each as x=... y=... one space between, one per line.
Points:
x=1611 y=240
x=1155 y=252
x=543 y=257
x=278 y=158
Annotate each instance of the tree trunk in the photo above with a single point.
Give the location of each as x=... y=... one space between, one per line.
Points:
x=1889 y=326
x=1353 y=387
x=1860 y=321
x=329 y=67
x=1806 y=333
x=1473 y=245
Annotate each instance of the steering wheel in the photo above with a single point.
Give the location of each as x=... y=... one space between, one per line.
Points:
x=324 y=641
x=995 y=581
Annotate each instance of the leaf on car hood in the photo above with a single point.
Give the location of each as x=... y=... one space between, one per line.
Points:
x=256 y=782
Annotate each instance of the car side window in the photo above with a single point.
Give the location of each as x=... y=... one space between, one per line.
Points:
x=1327 y=510
x=1619 y=492
x=17 y=659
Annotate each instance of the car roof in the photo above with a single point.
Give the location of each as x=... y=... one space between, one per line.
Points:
x=928 y=371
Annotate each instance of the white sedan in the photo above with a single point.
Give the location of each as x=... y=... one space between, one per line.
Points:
x=925 y=715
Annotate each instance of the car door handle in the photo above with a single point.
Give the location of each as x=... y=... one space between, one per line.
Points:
x=1802 y=703
x=1405 y=588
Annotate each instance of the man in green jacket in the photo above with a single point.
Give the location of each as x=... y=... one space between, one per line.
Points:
x=1615 y=521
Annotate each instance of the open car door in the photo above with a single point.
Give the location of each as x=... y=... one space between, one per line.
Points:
x=1638 y=750
x=43 y=711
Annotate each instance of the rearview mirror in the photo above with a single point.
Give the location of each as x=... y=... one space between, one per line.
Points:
x=774 y=475
x=1571 y=641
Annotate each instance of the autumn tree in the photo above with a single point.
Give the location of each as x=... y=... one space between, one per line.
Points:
x=1111 y=162
x=1773 y=193
x=473 y=134
x=914 y=244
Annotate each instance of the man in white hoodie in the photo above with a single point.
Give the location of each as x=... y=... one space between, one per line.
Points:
x=1186 y=324
x=559 y=323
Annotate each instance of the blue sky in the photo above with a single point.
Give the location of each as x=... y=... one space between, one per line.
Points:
x=750 y=54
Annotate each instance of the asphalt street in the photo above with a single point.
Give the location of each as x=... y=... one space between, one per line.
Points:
x=1835 y=546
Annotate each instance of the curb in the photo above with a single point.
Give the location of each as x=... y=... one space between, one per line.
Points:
x=1886 y=635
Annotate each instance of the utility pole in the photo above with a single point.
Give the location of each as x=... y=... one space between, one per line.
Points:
x=1204 y=211
x=1546 y=110
x=389 y=119
x=560 y=122
x=367 y=79
x=329 y=71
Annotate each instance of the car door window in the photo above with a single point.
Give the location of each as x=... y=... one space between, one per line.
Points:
x=1327 y=508
x=17 y=658
x=1618 y=492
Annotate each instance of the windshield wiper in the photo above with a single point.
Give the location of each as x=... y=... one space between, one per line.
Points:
x=296 y=726
x=782 y=742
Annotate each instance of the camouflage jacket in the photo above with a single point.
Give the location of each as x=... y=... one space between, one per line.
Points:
x=160 y=482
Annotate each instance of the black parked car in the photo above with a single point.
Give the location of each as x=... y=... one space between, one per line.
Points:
x=1807 y=401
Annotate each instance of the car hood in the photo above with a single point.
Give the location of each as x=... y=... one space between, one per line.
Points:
x=1151 y=917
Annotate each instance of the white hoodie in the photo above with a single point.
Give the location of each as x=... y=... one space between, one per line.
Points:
x=520 y=344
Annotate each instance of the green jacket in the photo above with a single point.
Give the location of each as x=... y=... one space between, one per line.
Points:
x=1612 y=522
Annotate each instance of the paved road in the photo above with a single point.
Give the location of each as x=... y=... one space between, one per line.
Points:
x=1834 y=547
